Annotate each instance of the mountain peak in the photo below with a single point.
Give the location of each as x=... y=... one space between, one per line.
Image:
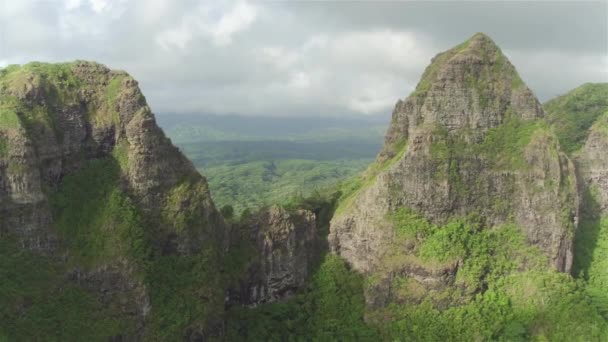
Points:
x=481 y=45
x=481 y=37
x=471 y=86
x=477 y=50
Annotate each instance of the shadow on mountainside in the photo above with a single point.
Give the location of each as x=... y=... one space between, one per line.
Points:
x=590 y=246
x=586 y=238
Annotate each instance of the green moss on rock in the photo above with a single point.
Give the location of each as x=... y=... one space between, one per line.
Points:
x=37 y=303
x=349 y=189
x=98 y=221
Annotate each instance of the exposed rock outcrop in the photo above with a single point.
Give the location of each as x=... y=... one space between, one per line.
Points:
x=284 y=254
x=470 y=139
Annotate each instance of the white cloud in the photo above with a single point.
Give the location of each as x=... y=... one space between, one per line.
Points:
x=392 y=49
x=538 y=70
x=236 y=19
x=362 y=72
x=299 y=80
x=218 y=21
x=72 y=4
x=285 y=58
x=98 y=5
x=282 y=58
x=178 y=37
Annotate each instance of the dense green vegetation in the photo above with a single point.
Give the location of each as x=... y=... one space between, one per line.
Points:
x=184 y=292
x=253 y=184
x=100 y=226
x=38 y=303
x=99 y=222
x=510 y=295
x=331 y=309
x=254 y=161
x=543 y=306
x=209 y=154
x=574 y=113
x=591 y=252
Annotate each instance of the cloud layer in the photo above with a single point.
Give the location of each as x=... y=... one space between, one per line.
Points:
x=301 y=58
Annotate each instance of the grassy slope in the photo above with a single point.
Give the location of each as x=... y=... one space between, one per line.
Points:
x=254 y=161
x=252 y=184
x=573 y=114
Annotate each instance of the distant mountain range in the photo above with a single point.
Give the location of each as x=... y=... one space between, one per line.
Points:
x=184 y=128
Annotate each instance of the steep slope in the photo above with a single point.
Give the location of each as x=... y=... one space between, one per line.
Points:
x=591 y=258
x=90 y=184
x=284 y=245
x=469 y=145
x=580 y=119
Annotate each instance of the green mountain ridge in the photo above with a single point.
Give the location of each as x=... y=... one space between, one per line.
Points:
x=573 y=114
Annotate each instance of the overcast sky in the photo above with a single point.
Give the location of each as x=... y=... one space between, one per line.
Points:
x=302 y=58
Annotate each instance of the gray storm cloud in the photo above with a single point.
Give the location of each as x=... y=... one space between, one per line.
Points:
x=301 y=58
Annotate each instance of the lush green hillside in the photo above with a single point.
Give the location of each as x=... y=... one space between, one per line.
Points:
x=215 y=153
x=573 y=114
x=249 y=185
x=255 y=161
x=510 y=304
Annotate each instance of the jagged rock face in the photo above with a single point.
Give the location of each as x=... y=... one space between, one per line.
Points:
x=56 y=118
x=285 y=246
x=468 y=87
x=76 y=123
x=592 y=162
x=469 y=139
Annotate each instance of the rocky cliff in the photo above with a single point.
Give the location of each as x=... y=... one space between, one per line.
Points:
x=470 y=143
x=89 y=180
x=285 y=247
x=592 y=162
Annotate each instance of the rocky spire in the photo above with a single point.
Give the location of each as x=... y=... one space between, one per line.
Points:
x=143 y=202
x=470 y=86
x=471 y=139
